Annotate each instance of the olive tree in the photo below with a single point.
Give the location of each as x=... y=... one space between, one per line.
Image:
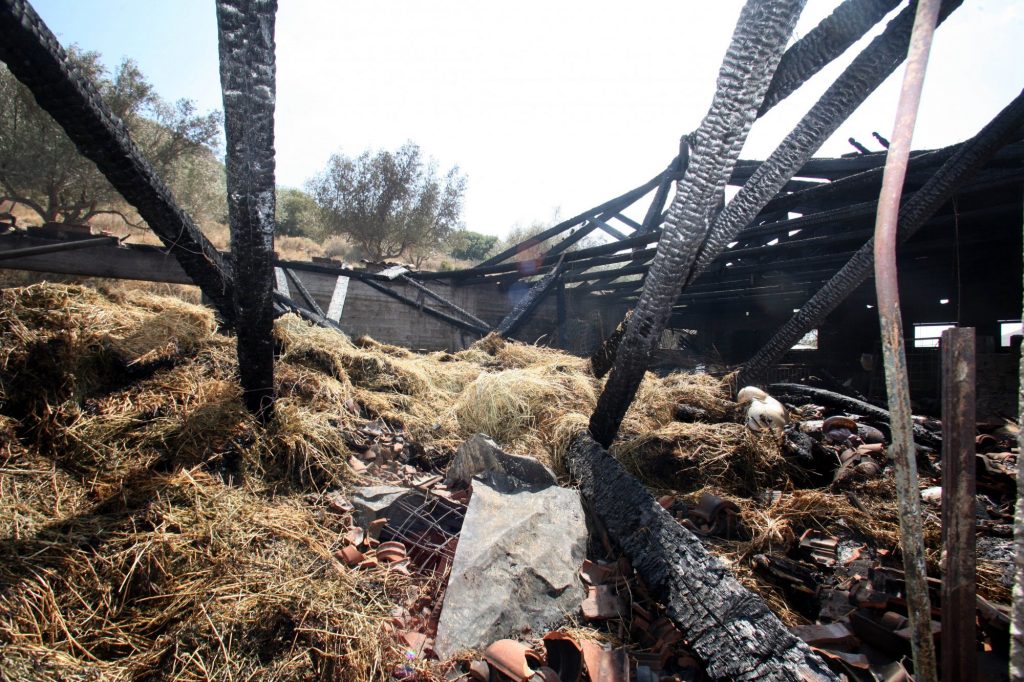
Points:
x=41 y=170
x=390 y=203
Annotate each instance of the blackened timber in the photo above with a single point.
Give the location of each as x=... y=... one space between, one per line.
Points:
x=443 y=301
x=304 y=292
x=616 y=204
x=604 y=357
x=283 y=303
x=521 y=312
x=959 y=506
x=730 y=629
x=582 y=254
x=247 y=76
x=958 y=169
x=608 y=228
x=426 y=310
x=71 y=245
x=582 y=231
x=657 y=207
x=826 y=41
x=758 y=42
x=865 y=73
x=828 y=398
x=36 y=58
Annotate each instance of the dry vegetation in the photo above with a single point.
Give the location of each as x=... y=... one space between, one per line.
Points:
x=151 y=529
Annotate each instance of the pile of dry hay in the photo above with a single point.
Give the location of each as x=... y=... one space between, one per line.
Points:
x=150 y=527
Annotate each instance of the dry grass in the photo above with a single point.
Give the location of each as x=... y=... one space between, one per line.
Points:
x=149 y=528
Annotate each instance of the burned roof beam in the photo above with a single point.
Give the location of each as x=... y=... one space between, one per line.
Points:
x=612 y=205
x=867 y=71
x=525 y=307
x=959 y=168
x=826 y=41
x=729 y=628
x=757 y=45
x=36 y=58
x=443 y=301
x=426 y=310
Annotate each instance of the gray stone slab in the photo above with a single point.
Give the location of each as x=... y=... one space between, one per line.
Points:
x=482 y=457
x=516 y=569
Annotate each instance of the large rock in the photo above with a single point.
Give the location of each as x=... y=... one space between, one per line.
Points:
x=481 y=457
x=516 y=567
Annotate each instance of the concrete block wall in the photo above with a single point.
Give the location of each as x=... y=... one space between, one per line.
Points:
x=385 y=319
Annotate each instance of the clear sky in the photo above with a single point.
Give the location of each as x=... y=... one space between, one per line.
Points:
x=544 y=105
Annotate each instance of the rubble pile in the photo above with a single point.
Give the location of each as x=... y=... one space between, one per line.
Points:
x=408 y=515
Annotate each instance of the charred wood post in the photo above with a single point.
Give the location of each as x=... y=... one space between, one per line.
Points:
x=757 y=45
x=959 y=168
x=958 y=505
x=522 y=310
x=246 y=40
x=731 y=629
x=897 y=384
x=35 y=57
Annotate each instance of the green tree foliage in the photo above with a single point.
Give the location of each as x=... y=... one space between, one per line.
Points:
x=390 y=203
x=298 y=214
x=40 y=168
x=469 y=245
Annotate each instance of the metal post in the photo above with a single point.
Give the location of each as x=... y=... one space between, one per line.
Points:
x=897 y=386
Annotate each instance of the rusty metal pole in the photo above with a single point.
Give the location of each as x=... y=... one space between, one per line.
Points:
x=959 y=638
x=897 y=386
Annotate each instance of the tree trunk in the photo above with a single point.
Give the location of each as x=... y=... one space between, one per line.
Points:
x=35 y=57
x=959 y=168
x=729 y=628
x=246 y=31
x=758 y=42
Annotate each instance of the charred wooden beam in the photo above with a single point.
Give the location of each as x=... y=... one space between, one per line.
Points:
x=443 y=301
x=867 y=71
x=604 y=357
x=36 y=58
x=916 y=212
x=247 y=76
x=826 y=41
x=612 y=205
x=574 y=256
x=730 y=629
x=72 y=245
x=521 y=312
x=839 y=401
x=757 y=44
x=426 y=310
x=582 y=231
x=304 y=292
x=657 y=207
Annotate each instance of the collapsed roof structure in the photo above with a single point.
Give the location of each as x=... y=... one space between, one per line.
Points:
x=750 y=276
